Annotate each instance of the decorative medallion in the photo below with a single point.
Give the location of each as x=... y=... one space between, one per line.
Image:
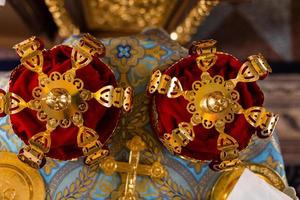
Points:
x=212 y=101
x=57 y=105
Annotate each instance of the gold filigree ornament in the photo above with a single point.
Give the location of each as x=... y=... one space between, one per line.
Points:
x=132 y=169
x=60 y=100
x=213 y=102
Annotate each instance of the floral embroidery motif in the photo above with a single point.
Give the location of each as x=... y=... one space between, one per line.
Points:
x=134 y=59
x=123 y=51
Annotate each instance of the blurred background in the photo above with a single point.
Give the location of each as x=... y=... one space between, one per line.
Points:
x=241 y=27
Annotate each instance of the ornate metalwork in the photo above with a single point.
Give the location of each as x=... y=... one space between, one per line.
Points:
x=179 y=137
x=127 y=16
x=109 y=166
x=88 y=140
x=260 y=117
x=206 y=50
x=60 y=100
x=34 y=153
x=57 y=99
x=30 y=51
x=213 y=102
x=164 y=84
x=252 y=70
x=197 y=15
x=123 y=16
x=228 y=147
x=11 y=103
x=61 y=18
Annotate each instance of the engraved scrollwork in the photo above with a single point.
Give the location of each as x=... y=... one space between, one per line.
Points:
x=208 y=124
x=191 y=107
x=196 y=85
x=52 y=123
x=42 y=115
x=196 y=119
x=54 y=76
x=65 y=123
x=86 y=95
x=83 y=107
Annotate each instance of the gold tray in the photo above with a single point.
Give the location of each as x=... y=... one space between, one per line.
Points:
x=19 y=181
x=228 y=179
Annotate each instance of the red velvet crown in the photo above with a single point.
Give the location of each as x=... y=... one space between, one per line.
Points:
x=63 y=102
x=208 y=105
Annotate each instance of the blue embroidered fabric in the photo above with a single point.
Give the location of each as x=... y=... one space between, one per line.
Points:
x=132 y=59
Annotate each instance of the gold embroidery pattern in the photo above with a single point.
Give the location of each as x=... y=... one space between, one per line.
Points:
x=213 y=102
x=6 y=127
x=49 y=166
x=173 y=190
x=79 y=186
x=126 y=53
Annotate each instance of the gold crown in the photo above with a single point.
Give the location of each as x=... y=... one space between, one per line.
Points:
x=60 y=99
x=213 y=102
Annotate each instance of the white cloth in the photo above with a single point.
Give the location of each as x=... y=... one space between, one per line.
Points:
x=2 y=2
x=251 y=187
